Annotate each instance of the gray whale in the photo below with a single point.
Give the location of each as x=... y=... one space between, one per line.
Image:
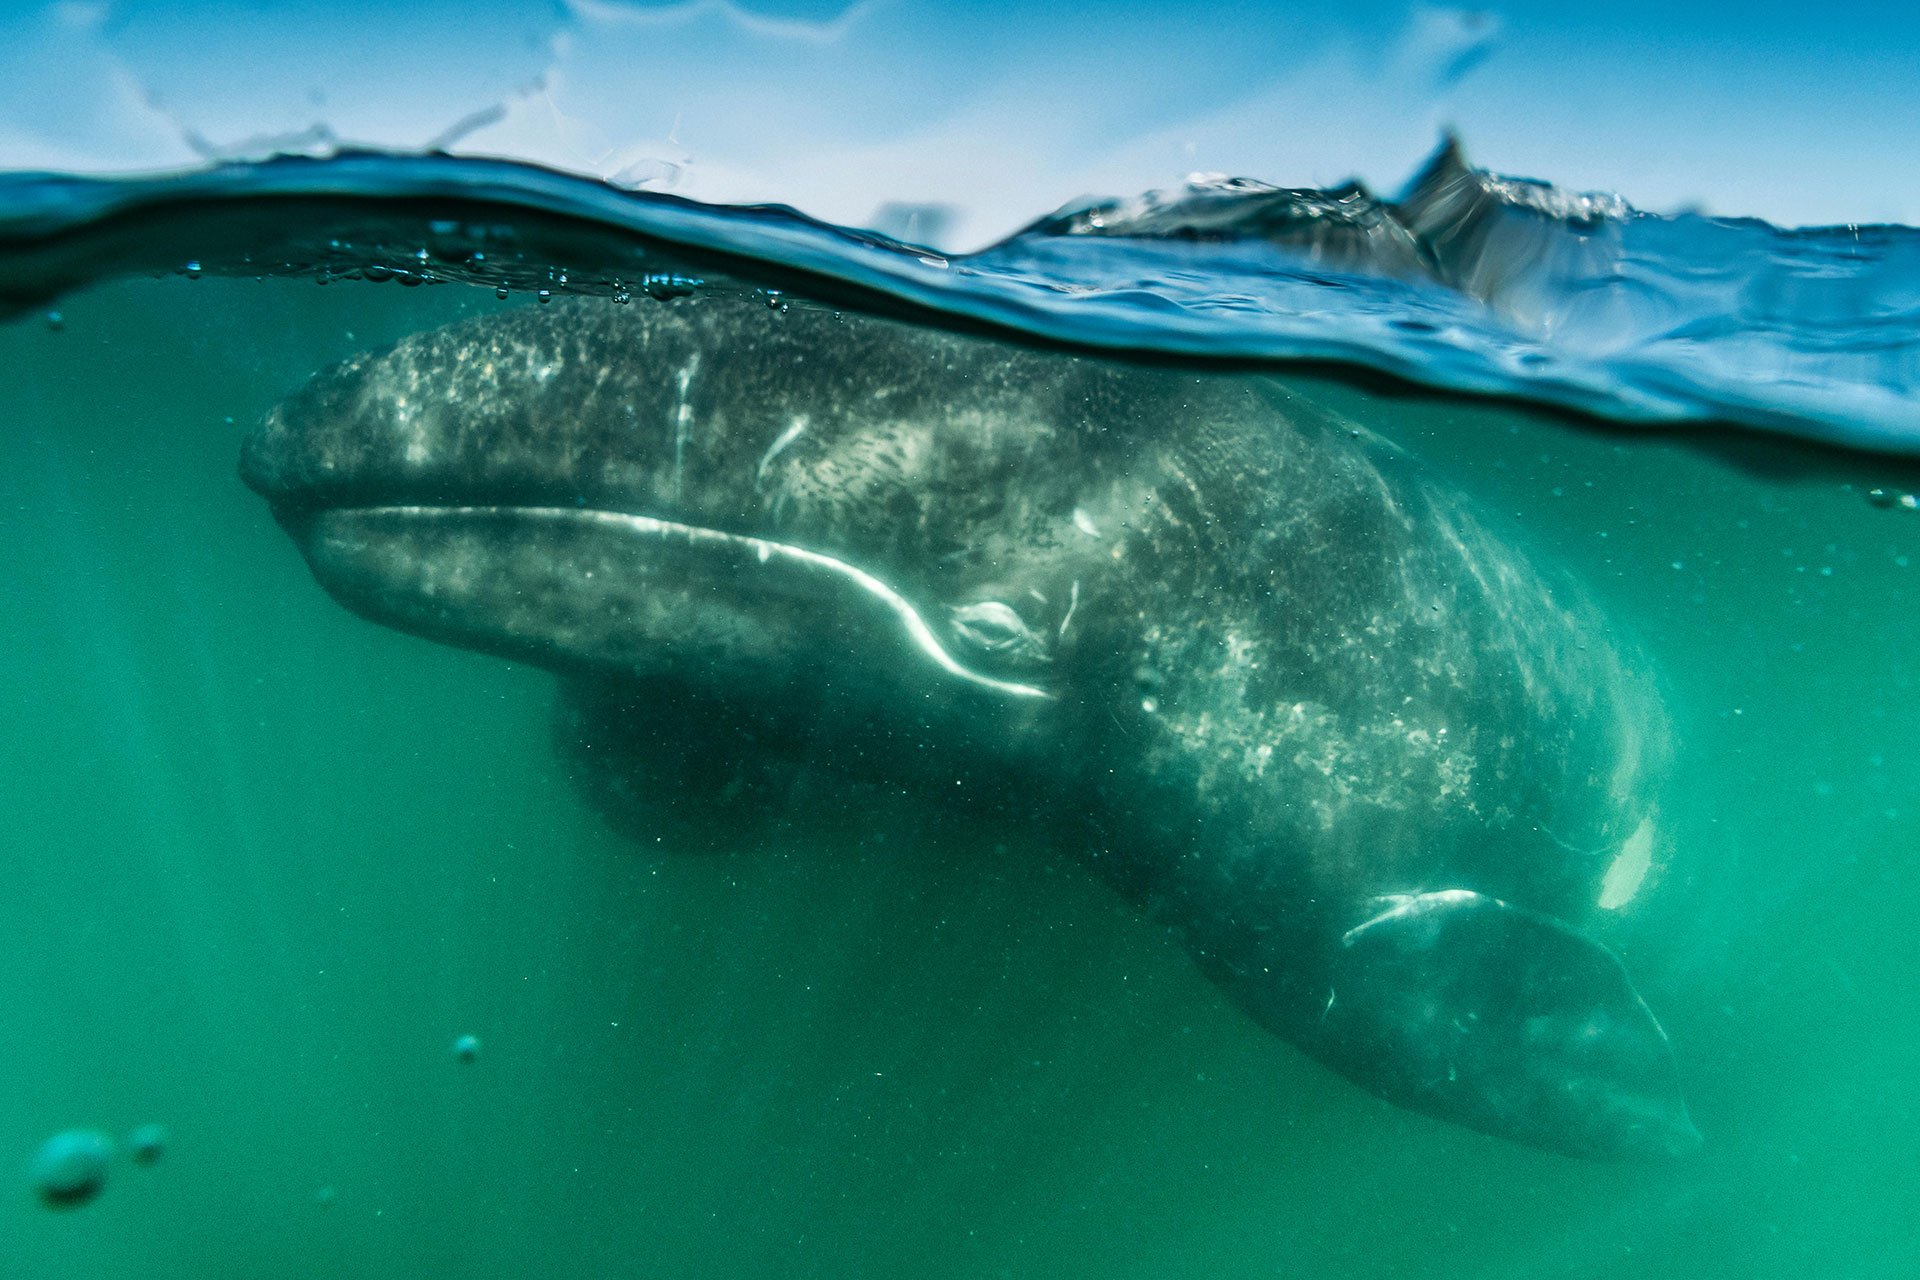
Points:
x=1387 y=780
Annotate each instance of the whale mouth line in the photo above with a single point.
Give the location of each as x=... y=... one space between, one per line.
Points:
x=764 y=551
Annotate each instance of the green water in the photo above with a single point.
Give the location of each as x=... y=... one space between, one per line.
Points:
x=266 y=862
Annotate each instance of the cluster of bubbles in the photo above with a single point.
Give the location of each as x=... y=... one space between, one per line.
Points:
x=70 y=1168
x=508 y=272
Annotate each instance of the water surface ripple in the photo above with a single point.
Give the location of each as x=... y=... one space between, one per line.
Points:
x=1468 y=281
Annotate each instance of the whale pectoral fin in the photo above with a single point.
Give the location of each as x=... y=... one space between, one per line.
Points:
x=1496 y=1017
x=674 y=772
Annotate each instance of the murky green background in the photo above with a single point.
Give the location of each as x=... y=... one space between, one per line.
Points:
x=264 y=862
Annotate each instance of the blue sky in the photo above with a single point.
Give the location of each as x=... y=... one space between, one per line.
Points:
x=999 y=111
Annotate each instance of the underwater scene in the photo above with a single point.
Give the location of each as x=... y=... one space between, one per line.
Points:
x=1238 y=730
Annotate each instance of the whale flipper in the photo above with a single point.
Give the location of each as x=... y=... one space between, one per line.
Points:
x=1506 y=1020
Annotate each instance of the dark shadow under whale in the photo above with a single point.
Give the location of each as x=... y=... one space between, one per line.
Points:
x=1388 y=781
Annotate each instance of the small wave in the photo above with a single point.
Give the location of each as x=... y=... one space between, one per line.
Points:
x=1467 y=281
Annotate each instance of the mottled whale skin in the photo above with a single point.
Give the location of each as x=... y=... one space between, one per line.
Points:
x=1387 y=780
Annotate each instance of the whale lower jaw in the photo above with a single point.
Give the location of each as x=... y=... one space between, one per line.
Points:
x=576 y=589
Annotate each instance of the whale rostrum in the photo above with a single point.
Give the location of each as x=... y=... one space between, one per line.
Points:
x=1391 y=783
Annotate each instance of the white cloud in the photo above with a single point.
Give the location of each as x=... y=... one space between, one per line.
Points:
x=66 y=102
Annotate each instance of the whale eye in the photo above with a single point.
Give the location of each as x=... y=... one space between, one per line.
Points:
x=991 y=627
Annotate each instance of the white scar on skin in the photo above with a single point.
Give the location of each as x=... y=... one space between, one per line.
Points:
x=1628 y=870
x=780 y=442
x=683 y=421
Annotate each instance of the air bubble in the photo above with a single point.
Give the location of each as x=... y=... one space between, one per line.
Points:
x=56 y=321
x=147 y=1144
x=665 y=288
x=70 y=1168
x=545 y=295
x=500 y=292
x=467 y=1048
x=193 y=269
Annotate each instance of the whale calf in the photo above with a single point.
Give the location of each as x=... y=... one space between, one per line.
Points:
x=1387 y=780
